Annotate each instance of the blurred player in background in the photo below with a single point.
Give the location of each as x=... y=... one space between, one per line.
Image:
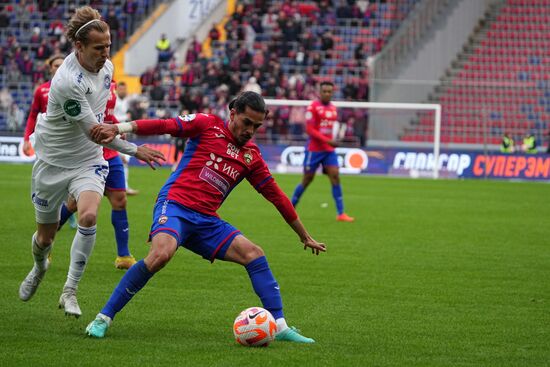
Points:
x=121 y=114
x=324 y=134
x=68 y=162
x=115 y=190
x=219 y=155
x=39 y=104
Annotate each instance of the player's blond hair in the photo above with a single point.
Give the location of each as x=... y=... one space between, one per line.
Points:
x=82 y=22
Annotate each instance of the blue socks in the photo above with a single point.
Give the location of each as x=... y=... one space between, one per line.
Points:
x=265 y=286
x=298 y=191
x=338 y=200
x=64 y=215
x=131 y=283
x=119 y=219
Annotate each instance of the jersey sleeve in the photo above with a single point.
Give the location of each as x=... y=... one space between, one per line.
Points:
x=186 y=126
x=262 y=180
x=312 y=125
x=71 y=95
x=33 y=114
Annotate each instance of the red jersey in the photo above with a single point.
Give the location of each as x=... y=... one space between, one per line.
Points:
x=213 y=164
x=319 y=120
x=39 y=105
x=110 y=119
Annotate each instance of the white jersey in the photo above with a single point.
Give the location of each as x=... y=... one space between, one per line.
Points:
x=76 y=97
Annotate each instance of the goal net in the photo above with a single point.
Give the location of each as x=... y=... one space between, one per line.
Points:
x=376 y=124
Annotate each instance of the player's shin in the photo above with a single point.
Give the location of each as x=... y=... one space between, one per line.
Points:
x=40 y=254
x=338 y=198
x=265 y=286
x=135 y=278
x=119 y=219
x=81 y=249
x=298 y=191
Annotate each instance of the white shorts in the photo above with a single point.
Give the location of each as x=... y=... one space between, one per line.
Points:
x=51 y=184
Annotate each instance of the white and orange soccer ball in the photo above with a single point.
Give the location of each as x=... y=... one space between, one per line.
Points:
x=255 y=327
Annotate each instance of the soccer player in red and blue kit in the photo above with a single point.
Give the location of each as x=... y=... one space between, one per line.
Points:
x=115 y=190
x=218 y=156
x=320 y=117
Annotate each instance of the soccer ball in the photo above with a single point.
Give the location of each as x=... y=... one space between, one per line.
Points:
x=255 y=327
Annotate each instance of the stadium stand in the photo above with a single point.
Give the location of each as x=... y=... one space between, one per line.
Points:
x=499 y=83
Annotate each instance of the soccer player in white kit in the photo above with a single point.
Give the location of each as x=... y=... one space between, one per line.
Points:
x=67 y=160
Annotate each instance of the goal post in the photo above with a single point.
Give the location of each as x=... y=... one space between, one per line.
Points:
x=388 y=106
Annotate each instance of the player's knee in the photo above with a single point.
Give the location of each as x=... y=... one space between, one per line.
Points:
x=157 y=260
x=119 y=202
x=87 y=219
x=253 y=253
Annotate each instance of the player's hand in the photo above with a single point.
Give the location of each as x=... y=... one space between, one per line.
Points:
x=149 y=156
x=103 y=133
x=27 y=148
x=315 y=246
x=333 y=143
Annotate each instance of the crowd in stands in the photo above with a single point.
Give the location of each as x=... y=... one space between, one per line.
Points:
x=279 y=48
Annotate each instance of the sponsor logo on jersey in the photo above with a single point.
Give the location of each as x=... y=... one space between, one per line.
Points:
x=88 y=91
x=214 y=161
x=107 y=82
x=215 y=180
x=72 y=107
x=163 y=219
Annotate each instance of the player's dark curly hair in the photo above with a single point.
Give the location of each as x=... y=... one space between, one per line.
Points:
x=250 y=99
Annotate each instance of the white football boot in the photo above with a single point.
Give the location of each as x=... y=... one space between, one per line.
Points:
x=69 y=302
x=31 y=282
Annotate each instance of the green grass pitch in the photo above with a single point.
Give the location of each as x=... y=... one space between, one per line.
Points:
x=432 y=273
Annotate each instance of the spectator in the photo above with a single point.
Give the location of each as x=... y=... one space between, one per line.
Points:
x=6 y=99
x=55 y=11
x=56 y=28
x=4 y=18
x=157 y=93
x=130 y=7
x=529 y=145
x=164 y=49
x=15 y=118
x=252 y=86
x=114 y=25
x=214 y=34
x=507 y=144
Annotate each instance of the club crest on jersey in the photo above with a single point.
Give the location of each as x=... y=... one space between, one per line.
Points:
x=107 y=82
x=163 y=219
x=72 y=107
x=247 y=157
x=188 y=118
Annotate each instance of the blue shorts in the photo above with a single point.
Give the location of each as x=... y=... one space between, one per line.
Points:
x=115 y=180
x=203 y=234
x=312 y=160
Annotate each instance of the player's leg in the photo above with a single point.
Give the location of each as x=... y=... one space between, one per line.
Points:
x=311 y=162
x=163 y=248
x=115 y=190
x=47 y=189
x=166 y=233
x=68 y=209
x=81 y=249
x=330 y=164
x=42 y=242
x=244 y=252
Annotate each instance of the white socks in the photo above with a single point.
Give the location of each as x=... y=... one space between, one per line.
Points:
x=281 y=324
x=39 y=254
x=81 y=249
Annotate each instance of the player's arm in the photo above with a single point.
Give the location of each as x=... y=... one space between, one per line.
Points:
x=271 y=191
x=178 y=127
x=31 y=121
